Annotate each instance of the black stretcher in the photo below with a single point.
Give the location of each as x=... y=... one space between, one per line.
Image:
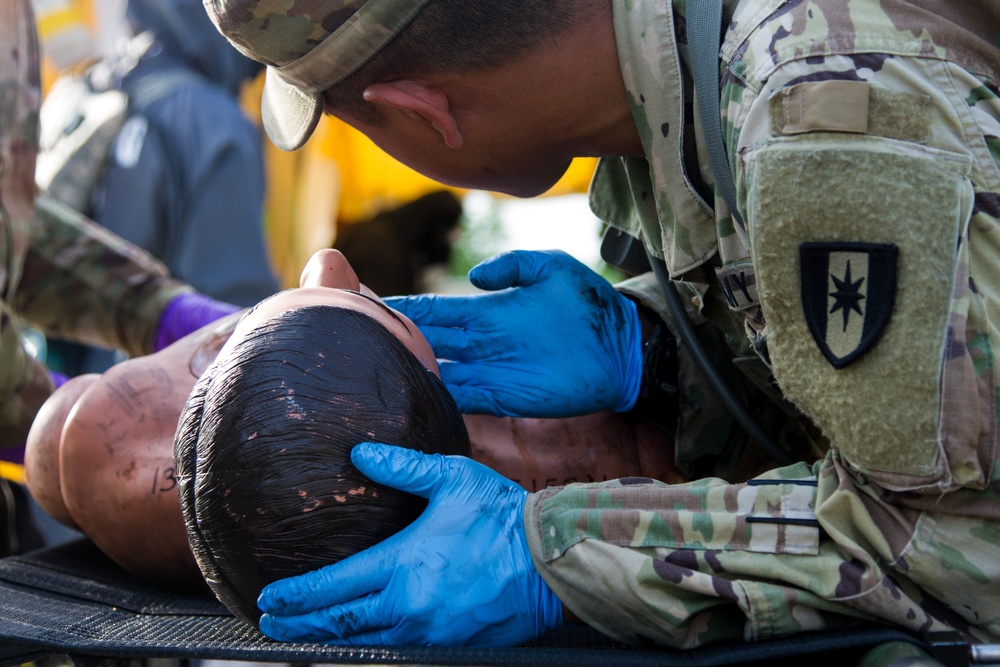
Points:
x=72 y=601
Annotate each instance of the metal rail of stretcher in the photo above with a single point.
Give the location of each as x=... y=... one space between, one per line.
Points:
x=71 y=600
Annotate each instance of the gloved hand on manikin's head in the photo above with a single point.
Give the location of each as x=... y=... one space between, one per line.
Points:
x=460 y=575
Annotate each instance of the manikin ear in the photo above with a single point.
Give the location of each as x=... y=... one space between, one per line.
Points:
x=419 y=101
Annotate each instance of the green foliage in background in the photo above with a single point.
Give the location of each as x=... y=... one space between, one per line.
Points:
x=482 y=236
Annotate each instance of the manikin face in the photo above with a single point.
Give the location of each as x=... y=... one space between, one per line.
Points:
x=328 y=279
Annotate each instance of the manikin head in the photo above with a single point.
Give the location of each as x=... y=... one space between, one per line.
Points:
x=262 y=450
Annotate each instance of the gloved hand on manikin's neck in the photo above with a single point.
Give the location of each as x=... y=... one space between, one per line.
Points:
x=550 y=338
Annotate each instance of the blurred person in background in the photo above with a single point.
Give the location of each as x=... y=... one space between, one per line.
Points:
x=62 y=274
x=184 y=177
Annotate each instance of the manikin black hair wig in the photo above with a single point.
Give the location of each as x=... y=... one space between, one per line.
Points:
x=262 y=450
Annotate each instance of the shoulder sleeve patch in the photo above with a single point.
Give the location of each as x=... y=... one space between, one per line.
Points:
x=848 y=290
x=854 y=244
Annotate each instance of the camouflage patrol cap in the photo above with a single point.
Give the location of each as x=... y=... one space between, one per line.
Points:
x=308 y=46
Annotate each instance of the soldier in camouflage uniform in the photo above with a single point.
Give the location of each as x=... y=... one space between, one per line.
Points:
x=59 y=271
x=856 y=289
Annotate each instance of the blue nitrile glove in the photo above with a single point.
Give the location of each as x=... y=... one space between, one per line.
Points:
x=551 y=339
x=460 y=575
x=187 y=313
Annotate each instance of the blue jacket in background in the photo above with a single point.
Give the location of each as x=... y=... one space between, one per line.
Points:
x=185 y=178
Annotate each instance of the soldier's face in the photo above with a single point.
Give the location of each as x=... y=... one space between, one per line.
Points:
x=511 y=158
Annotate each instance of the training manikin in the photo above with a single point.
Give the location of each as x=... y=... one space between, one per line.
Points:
x=100 y=455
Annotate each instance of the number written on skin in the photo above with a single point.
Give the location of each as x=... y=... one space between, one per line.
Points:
x=164 y=481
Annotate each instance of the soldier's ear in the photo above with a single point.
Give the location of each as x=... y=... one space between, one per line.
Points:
x=420 y=101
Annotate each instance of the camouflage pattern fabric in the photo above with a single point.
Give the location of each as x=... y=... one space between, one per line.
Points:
x=57 y=270
x=303 y=25
x=864 y=139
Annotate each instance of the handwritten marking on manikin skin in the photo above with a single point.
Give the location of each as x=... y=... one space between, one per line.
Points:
x=164 y=483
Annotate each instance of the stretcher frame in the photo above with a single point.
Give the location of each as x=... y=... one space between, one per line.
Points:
x=72 y=601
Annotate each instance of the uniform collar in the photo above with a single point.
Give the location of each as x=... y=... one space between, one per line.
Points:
x=653 y=72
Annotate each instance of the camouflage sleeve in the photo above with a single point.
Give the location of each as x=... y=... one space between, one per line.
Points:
x=869 y=179
x=870 y=186
x=60 y=271
x=83 y=283
x=24 y=384
x=686 y=565
x=864 y=141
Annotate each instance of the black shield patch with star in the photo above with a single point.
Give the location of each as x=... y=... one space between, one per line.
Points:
x=848 y=291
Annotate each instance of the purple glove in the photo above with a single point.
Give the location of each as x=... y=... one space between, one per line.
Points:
x=187 y=313
x=58 y=379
